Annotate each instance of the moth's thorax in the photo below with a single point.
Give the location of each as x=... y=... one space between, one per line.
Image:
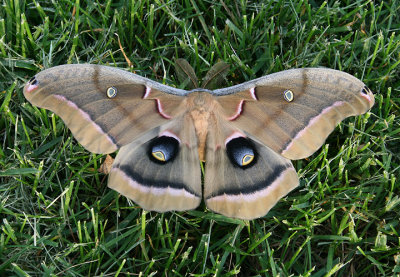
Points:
x=201 y=104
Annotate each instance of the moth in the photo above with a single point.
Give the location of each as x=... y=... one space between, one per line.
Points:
x=247 y=134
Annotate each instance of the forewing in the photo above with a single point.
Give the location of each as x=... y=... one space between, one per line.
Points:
x=294 y=111
x=104 y=107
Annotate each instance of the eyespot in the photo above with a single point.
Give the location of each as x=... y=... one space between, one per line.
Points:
x=241 y=152
x=159 y=155
x=247 y=159
x=163 y=149
x=111 y=92
x=288 y=95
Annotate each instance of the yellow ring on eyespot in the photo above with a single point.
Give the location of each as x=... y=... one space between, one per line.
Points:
x=159 y=155
x=247 y=159
x=288 y=95
x=111 y=92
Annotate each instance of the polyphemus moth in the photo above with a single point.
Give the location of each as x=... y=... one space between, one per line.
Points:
x=246 y=133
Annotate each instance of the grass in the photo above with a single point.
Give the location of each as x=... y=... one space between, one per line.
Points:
x=59 y=218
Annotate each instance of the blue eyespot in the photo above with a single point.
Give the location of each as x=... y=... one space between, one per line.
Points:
x=111 y=92
x=247 y=158
x=163 y=149
x=288 y=95
x=241 y=152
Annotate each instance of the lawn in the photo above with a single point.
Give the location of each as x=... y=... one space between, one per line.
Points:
x=57 y=215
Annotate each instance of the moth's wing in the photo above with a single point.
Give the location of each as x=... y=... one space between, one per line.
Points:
x=320 y=99
x=261 y=124
x=107 y=108
x=104 y=107
x=243 y=178
x=140 y=173
x=186 y=75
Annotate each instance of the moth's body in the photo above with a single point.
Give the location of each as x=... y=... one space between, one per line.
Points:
x=201 y=106
x=247 y=133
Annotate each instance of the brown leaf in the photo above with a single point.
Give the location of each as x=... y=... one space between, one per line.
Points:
x=106 y=165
